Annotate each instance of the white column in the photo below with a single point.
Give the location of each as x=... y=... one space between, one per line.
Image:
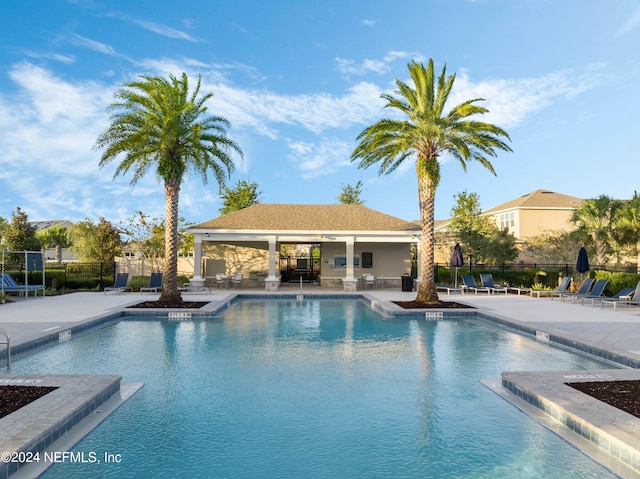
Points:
x=272 y=283
x=197 y=256
x=349 y=281
x=349 y=244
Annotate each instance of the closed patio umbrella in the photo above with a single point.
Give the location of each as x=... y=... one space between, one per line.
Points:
x=582 y=265
x=456 y=260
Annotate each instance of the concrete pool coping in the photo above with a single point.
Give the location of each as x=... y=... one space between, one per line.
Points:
x=606 y=334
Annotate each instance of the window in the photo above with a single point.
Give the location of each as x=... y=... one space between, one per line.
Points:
x=340 y=262
x=507 y=220
x=367 y=260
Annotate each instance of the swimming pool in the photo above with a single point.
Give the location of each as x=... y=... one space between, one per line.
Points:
x=318 y=389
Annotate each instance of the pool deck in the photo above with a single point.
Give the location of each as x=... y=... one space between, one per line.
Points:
x=541 y=395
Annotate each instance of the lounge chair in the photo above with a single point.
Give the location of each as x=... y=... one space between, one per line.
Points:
x=487 y=281
x=469 y=283
x=596 y=292
x=155 y=283
x=623 y=293
x=448 y=288
x=120 y=284
x=562 y=287
x=10 y=286
x=585 y=287
x=624 y=300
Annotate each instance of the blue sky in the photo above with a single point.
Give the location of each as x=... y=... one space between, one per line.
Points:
x=298 y=80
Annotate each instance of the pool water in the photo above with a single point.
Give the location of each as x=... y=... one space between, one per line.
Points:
x=318 y=389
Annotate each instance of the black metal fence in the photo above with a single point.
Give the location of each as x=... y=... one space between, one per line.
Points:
x=67 y=276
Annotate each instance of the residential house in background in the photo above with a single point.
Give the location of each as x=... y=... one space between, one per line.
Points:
x=525 y=217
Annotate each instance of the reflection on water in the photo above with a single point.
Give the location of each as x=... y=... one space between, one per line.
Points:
x=318 y=389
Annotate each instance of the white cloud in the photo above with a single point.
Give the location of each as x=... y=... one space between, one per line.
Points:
x=510 y=101
x=264 y=110
x=319 y=159
x=350 y=67
x=92 y=45
x=369 y=23
x=629 y=25
x=164 y=30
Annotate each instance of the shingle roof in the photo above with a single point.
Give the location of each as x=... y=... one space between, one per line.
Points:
x=288 y=217
x=539 y=199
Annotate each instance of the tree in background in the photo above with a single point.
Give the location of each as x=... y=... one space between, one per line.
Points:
x=499 y=246
x=478 y=236
x=54 y=237
x=148 y=234
x=243 y=195
x=628 y=224
x=99 y=242
x=3 y=225
x=426 y=133
x=595 y=219
x=158 y=124
x=555 y=247
x=468 y=227
x=19 y=234
x=350 y=195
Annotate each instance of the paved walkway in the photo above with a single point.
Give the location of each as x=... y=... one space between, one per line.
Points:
x=616 y=331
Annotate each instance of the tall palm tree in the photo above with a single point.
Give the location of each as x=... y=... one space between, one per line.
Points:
x=156 y=123
x=596 y=217
x=424 y=135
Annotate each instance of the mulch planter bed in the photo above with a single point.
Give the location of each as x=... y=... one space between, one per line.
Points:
x=13 y=398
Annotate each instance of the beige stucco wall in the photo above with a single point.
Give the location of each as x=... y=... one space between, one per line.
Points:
x=235 y=258
x=535 y=222
x=392 y=260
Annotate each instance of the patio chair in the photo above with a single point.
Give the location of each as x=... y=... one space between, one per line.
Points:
x=369 y=280
x=469 y=283
x=487 y=281
x=583 y=291
x=562 y=287
x=634 y=300
x=238 y=280
x=155 y=283
x=596 y=292
x=120 y=284
x=623 y=293
x=221 y=280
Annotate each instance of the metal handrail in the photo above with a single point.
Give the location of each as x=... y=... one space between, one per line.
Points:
x=8 y=343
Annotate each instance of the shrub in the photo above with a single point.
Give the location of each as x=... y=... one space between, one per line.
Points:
x=617 y=281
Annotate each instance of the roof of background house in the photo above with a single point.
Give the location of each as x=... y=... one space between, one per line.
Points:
x=43 y=225
x=538 y=199
x=288 y=217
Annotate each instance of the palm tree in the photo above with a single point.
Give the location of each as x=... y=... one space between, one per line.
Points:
x=424 y=135
x=157 y=124
x=56 y=236
x=629 y=222
x=596 y=217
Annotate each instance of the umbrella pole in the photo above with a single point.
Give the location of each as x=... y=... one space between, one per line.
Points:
x=456 y=278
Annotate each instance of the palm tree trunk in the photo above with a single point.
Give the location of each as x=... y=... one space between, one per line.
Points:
x=170 y=293
x=427 y=292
